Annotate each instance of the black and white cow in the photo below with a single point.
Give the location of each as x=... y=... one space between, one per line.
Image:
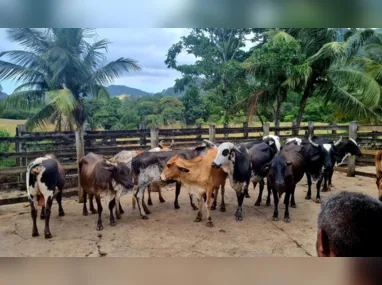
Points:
x=44 y=181
x=319 y=158
x=262 y=153
x=236 y=162
x=148 y=166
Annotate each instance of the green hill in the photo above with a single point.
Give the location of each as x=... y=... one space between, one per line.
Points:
x=116 y=90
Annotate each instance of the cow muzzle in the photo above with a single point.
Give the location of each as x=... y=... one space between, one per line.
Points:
x=215 y=165
x=163 y=177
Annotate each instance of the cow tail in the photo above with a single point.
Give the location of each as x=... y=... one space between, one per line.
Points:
x=134 y=201
x=378 y=165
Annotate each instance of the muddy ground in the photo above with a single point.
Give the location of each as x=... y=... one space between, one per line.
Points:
x=170 y=232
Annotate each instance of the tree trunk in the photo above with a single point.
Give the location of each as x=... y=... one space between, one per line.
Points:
x=80 y=148
x=225 y=100
x=303 y=101
x=278 y=113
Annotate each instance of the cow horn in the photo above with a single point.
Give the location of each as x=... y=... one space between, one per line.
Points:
x=313 y=143
x=172 y=143
x=236 y=148
x=209 y=143
x=338 y=142
x=161 y=144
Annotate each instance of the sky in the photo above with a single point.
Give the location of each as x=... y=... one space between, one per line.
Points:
x=148 y=46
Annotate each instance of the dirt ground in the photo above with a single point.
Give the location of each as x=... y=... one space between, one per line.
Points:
x=170 y=232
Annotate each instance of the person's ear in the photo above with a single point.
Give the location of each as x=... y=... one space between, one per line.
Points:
x=323 y=247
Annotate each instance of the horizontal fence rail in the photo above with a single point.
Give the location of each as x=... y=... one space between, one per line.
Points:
x=30 y=145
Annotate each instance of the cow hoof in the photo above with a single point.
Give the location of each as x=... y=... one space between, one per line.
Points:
x=324 y=190
x=176 y=206
x=94 y=211
x=35 y=234
x=48 y=235
x=194 y=208
x=275 y=219
x=247 y=196
x=118 y=217
x=145 y=217
x=222 y=209
x=210 y=224
x=61 y=214
x=257 y=203
x=84 y=213
x=162 y=200
x=150 y=203
x=268 y=204
x=287 y=220
x=293 y=205
x=198 y=219
x=318 y=201
x=307 y=197
x=42 y=217
x=213 y=207
x=239 y=218
x=113 y=223
x=121 y=211
x=148 y=212
x=99 y=228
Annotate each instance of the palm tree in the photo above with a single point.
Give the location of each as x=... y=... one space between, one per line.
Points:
x=56 y=70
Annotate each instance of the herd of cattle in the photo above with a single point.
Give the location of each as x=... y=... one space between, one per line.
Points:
x=202 y=171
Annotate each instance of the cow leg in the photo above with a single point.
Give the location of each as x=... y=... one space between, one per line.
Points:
x=61 y=212
x=117 y=203
x=330 y=174
x=309 y=194
x=177 y=192
x=139 y=198
x=33 y=205
x=286 y=214
x=318 y=186
x=222 y=204
x=42 y=214
x=148 y=212
x=293 y=202
x=200 y=203
x=214 y=203
x=261 y=188
x=246 y=193
x=268 y=203
x=120 y=209
x=149 y=202
x=111 y=208
x=240 y=198
x=208 y=205
x=161 y=200
x=276 y=205
x=192 y=202
x=99 y=208
x=48 y=207
x=92 y=209
x=85 y=209
x=325 y=188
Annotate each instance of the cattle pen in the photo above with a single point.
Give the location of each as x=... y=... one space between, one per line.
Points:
x=170 y=232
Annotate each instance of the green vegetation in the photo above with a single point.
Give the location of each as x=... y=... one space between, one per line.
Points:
x=4 y=147
x=254 y=75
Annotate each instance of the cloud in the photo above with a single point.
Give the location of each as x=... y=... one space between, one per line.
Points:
x=148 y=46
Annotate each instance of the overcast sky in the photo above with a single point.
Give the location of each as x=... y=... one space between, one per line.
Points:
x=148 y=46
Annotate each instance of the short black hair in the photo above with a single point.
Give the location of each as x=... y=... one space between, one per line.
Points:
x=352 y=222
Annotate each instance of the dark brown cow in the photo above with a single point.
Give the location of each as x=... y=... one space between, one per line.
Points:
x=97 y=176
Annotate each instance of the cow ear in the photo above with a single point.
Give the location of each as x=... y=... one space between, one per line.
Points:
x=315 y=157
x=288 y=162
x=110 y=168
x=265 y=169
x=183 y=169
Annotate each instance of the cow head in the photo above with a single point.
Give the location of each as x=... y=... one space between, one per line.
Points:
x=120 y=173
x=296 y=141
x=280 y=168
x=326 y=150
x=173 y=169
x=226 y=154
x=164 y=147
x=272 y=140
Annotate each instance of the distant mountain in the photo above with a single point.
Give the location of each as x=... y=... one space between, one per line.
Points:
x=116 y=90
x=3 y=95
x=170 y=91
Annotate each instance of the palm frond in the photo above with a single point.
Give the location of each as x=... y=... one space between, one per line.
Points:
x=298 y=76
x=62 y=100
x=23 y=100
x=366 y=65
x=112 y=70
x=19 y=73
x=31 y=39
x=333 y=51
x=359 y=38
x=22 y=57
x=277 y=36
x=41 y=119
x=30 y=86
x=94 y=56
x=253 y=101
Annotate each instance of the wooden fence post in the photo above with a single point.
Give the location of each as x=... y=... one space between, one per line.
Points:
x=142 y=139
x=266 y=129
x=80 y=149
x=19 y=148
x=225 y=134
x=199 y=135
x=310 y=129
x=211 y=133
x=245 y=127
x=334 y=131
x=294 y=128
x=353 y=128
x=154 y=137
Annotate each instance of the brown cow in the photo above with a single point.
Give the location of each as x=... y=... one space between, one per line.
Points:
x=378 y=169
x=97 y=176
x=197 y=176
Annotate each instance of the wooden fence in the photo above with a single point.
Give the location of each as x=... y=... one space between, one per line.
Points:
x=29 y=145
